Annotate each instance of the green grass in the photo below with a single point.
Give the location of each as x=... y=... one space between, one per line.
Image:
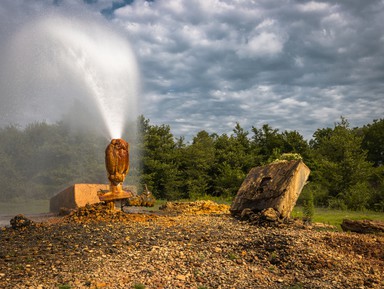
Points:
x=156 y=207
x=335 y=217
x=24 y=207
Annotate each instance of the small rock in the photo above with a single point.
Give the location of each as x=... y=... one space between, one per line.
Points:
x=181 y=277
x=20 y=221
x=217 y=249
x=246 y=214
x=270 y=215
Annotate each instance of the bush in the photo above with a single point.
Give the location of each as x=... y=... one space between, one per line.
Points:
x=337 y=204
x=308 y=208
x=357 y=197
x=379 y=207
x=320 y=195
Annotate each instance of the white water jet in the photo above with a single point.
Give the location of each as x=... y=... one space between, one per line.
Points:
x=55 y=60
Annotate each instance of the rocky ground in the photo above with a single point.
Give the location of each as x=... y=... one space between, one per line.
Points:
x=95 y=248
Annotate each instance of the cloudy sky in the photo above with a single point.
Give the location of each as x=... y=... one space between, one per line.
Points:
x=207 y=64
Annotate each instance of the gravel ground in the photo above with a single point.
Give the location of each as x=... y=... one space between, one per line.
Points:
x=94 y=248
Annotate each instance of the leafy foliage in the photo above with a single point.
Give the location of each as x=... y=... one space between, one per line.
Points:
x=342 y=166
x=309 y=208
x=346 y=164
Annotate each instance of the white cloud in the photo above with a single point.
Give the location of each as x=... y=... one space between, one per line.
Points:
x=263 y=44
x=207 y=64
x=313 y=6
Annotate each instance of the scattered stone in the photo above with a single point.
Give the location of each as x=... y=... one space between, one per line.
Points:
x=101 y=212
x=20 y=221
x=185 y=251
x=65 y=211
x=181 y=277
x=267 y=217
x=270 y=215
x=198 y=207
x=146 y=199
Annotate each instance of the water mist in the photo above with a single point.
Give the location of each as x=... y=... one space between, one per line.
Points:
x=56 y=61
x=59 y=66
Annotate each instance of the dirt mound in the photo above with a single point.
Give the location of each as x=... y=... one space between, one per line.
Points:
x=195 y=208
x=21 y=221
x=101 y=213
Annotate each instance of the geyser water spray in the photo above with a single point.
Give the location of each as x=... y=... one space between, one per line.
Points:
x=59 y=59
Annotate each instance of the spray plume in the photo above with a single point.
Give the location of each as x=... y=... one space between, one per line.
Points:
x=55 y=62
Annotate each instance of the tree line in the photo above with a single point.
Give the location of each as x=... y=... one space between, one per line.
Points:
x=346 y=163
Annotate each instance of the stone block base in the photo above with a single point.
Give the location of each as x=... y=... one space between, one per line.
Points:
x=78 y=195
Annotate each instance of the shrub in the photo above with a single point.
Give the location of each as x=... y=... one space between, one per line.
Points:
x=337 y=204
x=308 y=208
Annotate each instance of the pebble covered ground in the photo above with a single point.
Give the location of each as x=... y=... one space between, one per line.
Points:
x=95 y=248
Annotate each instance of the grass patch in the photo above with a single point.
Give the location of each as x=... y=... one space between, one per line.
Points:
x=335 y=217
x=24 y=207
x=219 y=200
x=156 y=207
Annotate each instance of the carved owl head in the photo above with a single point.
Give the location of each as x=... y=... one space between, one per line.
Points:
x=119 y=144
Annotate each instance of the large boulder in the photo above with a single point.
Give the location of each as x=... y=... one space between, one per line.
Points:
x=277 y=186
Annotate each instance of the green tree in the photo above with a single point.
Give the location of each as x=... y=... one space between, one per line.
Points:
x=373 y=142
x=268 y=143
x=160 y=165
x=196 y=164
x=43 y=158
x=293 y=142
x=233 y=160
x=342 y=167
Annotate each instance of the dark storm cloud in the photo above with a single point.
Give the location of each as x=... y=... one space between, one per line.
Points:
x=207 y=64
x=293 y=64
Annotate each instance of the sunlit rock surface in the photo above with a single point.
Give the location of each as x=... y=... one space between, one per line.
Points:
x=79 y=195
x=277 y=186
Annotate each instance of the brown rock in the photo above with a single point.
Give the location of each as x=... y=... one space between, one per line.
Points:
x=246 y=214
x=277 y=186
x=363 y=226
x=270 y=215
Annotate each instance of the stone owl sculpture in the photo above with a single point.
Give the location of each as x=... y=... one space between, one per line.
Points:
x=117 y=163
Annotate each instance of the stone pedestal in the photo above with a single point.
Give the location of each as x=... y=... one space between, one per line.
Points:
x=79 y=195
x=115 y=198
